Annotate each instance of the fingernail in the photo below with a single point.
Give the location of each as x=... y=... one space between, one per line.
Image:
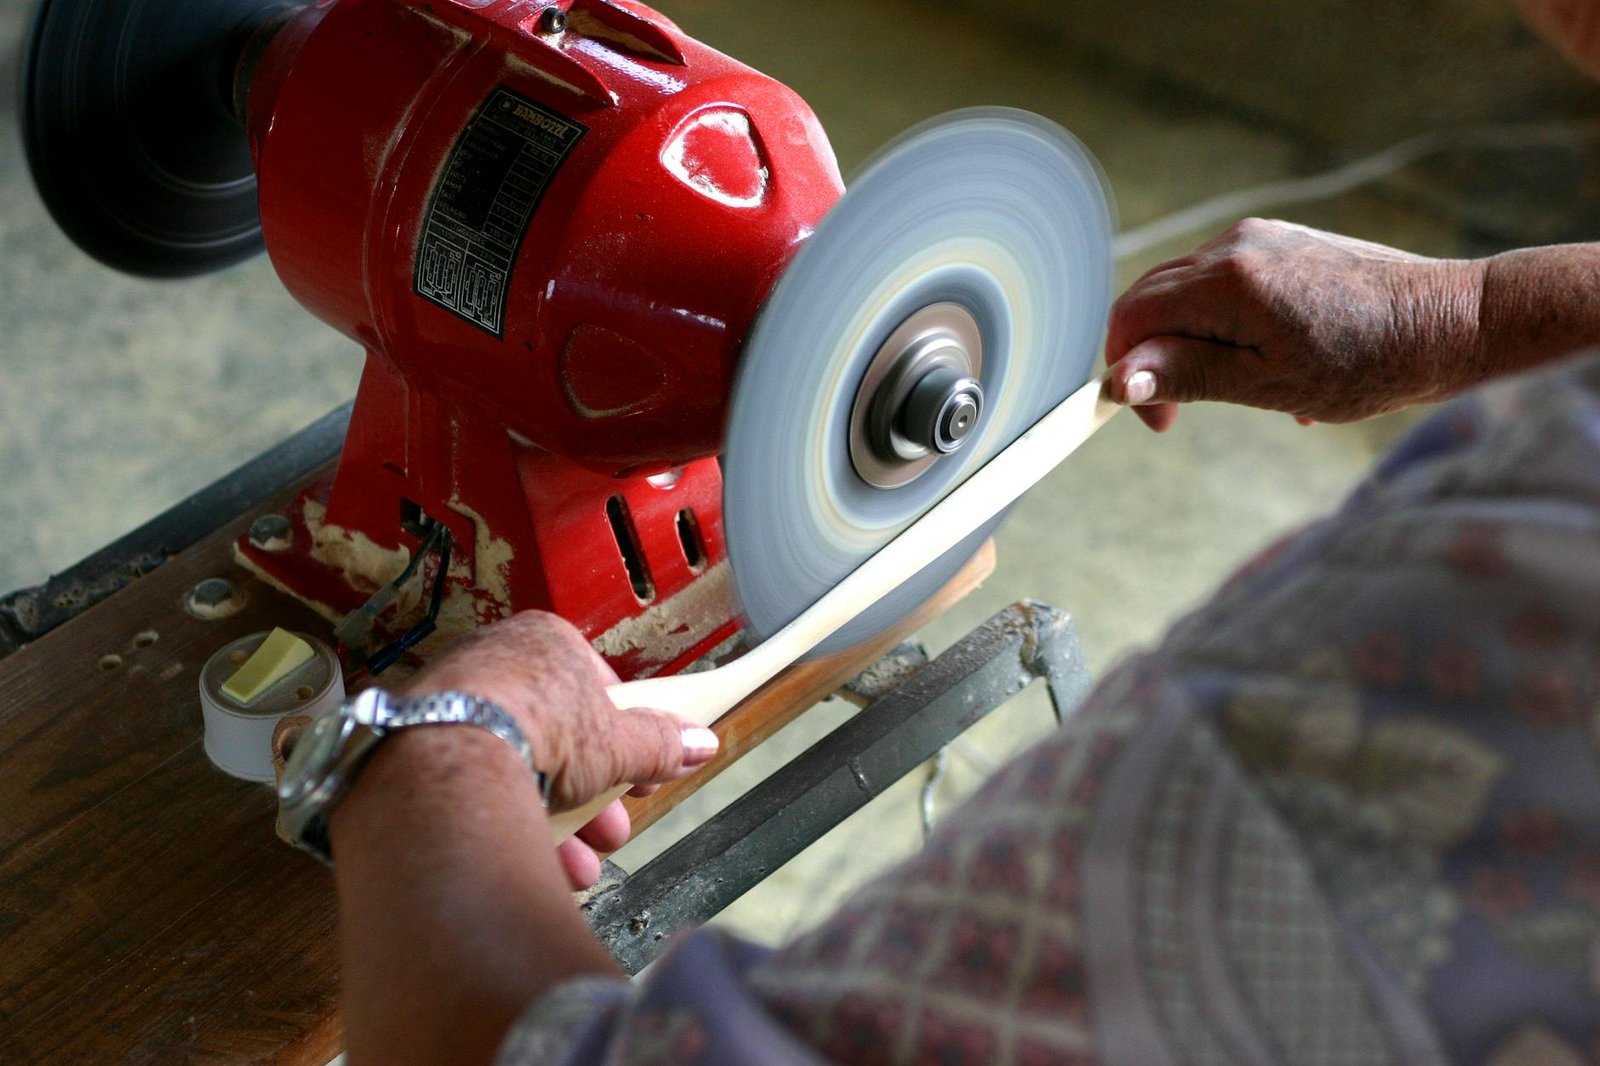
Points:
x=699 y=744
x=1140 y=387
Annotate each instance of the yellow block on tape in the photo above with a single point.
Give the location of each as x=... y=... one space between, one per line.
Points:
x=279 y=655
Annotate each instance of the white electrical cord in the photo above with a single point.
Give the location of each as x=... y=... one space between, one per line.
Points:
x=1273 y=195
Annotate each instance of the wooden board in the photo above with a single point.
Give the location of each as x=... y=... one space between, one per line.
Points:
x=795 y=690
x=148 y=913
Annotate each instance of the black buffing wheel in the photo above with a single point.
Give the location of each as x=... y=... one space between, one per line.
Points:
x=130 y=133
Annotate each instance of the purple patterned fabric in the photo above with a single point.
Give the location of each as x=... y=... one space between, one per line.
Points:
x=1348 y=812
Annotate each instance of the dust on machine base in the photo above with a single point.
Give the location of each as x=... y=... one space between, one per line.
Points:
x=587 y=256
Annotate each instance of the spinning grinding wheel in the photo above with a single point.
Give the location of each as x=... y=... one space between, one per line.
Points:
x=127 y=115
x=920 y=364
x=954 y=295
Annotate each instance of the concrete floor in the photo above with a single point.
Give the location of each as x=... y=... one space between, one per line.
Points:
x=118 y=396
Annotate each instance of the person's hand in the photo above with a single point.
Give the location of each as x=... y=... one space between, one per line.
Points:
x=1288 y=318
x=541 y=671
x=1572 y=26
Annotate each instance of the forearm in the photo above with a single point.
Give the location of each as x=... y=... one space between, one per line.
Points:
x=454 y=914
x=1536 y=305
x=1334 y=329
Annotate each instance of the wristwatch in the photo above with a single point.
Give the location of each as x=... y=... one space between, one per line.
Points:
x=331 y=752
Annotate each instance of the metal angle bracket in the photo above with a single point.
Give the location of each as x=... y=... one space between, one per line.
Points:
x=635 y=914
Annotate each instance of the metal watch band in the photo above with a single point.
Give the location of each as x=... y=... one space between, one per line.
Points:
x=455 y=708
x=306 y=817
x=461 y=708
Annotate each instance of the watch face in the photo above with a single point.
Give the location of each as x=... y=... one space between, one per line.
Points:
x=312 y=754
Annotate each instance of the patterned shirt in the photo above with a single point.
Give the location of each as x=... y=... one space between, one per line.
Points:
x=1347 y=812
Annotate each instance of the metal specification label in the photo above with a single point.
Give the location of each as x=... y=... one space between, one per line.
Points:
x=479 y=211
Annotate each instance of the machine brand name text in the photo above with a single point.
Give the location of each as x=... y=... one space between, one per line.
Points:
x=544 y=122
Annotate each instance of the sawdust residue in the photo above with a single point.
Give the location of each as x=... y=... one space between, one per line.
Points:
x=481 y=594
x=323 y=609
x=673 y=626
x=581 y=22
x=365 y=566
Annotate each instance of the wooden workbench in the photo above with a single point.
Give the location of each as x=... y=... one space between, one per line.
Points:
x=148 y=913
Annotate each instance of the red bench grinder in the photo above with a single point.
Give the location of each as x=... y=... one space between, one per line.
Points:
x=553 y=225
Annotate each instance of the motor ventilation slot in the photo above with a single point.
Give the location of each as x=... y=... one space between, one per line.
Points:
x=628 y=544
x=694 y=545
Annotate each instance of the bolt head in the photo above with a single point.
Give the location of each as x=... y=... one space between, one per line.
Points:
x=552 y=20
x=271 y=533
x=211 y=594
x=956 y=421
x=942 y=410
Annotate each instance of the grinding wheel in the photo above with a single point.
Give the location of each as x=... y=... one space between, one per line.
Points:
x=127 y=117
x=956 y=293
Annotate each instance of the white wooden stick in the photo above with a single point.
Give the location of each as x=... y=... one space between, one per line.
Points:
x=706 y=696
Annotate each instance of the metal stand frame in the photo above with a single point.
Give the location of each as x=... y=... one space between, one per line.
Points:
x=634 y=914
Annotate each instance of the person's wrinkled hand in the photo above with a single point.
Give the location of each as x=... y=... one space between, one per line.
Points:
x=1288 y=318
x=542 y=672
x=1572 y=26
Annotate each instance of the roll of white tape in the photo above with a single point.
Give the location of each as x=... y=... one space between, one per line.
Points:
x=239 y=736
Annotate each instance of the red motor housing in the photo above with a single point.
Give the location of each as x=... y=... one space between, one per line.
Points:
x=551 y=224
